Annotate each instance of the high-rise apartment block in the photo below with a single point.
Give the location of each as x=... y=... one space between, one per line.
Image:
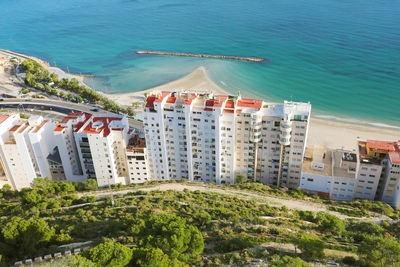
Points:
x=202 y=137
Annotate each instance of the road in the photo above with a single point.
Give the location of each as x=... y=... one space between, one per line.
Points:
x=60 y=106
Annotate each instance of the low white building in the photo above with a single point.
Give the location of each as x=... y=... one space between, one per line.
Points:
x=329 y=172
x=316 y=174
x=344 y=174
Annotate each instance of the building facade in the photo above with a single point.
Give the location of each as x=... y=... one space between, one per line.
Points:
x=207 y=138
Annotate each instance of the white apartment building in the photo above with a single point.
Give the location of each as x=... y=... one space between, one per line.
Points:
x=372 y=172
x=136 y=154
x=316 y=174
x=329 y=172
x=391 y=194
x=24 y=145
x=379 y=173
x=344 y=174
x=202 y=137
x=67 y=149
x=102 y=141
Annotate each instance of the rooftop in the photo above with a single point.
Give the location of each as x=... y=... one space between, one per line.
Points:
x=101 y=124
x=37 y=128
x=3 y=118
x=395 y=156
x=373 y=151
x=137 y=142
x=315 y=155
x=344 y=164
x=249 y=103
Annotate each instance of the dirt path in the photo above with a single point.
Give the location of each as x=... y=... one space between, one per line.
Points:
x=273 y=201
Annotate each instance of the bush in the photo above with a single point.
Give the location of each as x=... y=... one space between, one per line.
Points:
x=311 y=248
x=349 y=260
x=173 y=236
x=330 y=223
x=109 y=255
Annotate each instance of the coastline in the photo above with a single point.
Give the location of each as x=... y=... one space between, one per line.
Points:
x=196 y=80
x=324 y=130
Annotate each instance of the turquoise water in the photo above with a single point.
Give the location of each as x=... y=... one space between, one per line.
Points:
x=341 y=55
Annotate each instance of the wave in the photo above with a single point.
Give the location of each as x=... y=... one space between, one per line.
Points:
x=357 y=121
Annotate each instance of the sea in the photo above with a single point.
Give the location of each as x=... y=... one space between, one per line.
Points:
x=341 y=55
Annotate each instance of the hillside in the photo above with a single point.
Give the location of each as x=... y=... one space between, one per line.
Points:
x=174 y=224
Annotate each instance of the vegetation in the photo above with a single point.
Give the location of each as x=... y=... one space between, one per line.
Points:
x=187 y=228
x=41 y=79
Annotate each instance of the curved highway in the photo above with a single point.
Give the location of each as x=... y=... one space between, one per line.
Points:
x=61 y=106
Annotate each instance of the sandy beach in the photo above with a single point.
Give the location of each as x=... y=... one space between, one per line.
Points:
x=344 y=135
x=322 y=132
x=197 y=80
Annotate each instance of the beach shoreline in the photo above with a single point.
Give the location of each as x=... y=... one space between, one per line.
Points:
x=195 y=81
x=324 y=129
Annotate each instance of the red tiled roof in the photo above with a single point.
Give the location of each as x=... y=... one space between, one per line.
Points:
x=106 y=120
x=79 y=125
x=190 y=98
x=40 y=126
x=381 y=145
x=59 y=129
x=217 y=101
x=395 y=157
x=23 y=127
x=3 y=118
x=249 y=103
x=171 y=99
x=163 y=95
x=71 y=116
x=150 y=101
x=230 y=104
x=15 y=127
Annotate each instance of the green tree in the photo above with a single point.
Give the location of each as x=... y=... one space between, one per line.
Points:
x=75 y=261
x=288 y=261
x=61 y=94
x=66 y=187
x=79 y=99
x=110 y=254
x=24 y=237
x=90 y=184
x=240 y=179
x=137 y=226
x=149 y=257
x=70 y=97
x=53 y=91
x=173 y=236
x=201 y=219
x=46 y=186
x=29 y=197
x=7 y=191
x=379 y=251
x=311 y=248
x=330 y=223
x=54 y=77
